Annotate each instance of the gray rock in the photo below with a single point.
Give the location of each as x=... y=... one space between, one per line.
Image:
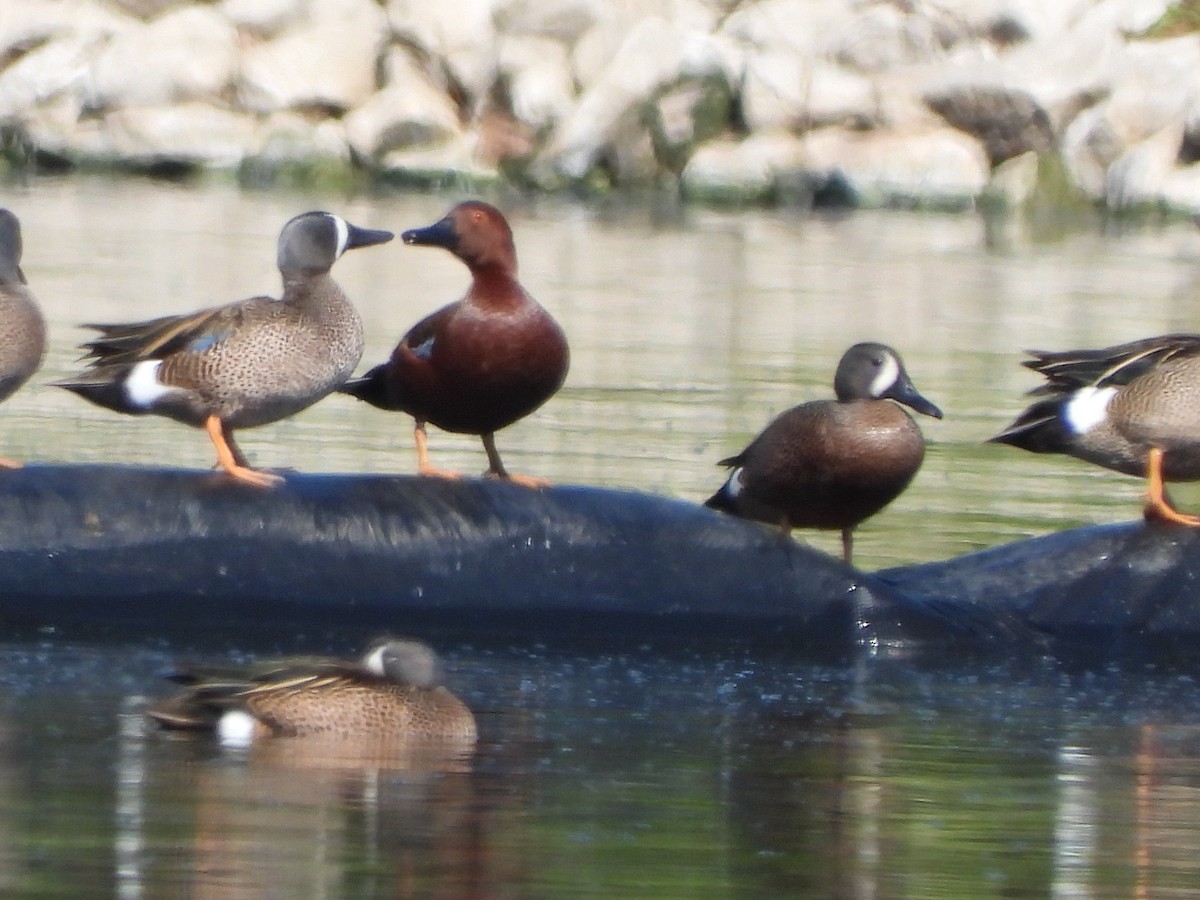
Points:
x=287 y=138
x=149 y=9
x=564 y=21
x=1137 y=176
x=883 y=36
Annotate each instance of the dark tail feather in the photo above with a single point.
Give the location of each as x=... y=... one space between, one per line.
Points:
x=102 y=385
x=1039 y=429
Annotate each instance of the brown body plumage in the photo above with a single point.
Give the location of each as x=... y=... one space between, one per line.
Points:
x=22 y=328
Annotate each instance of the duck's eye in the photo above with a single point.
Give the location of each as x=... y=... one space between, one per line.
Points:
x=877 y=361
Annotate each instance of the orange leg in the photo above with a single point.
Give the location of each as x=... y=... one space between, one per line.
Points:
x=423 y=466
x=1157 y=507
x=228 y=457
x=848 y=545
x=496 y=467
x=6 y=463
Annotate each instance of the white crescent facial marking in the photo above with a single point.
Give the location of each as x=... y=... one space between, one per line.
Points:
x=343 y=234
x=373 y=661
x=236 y=729
x=887 y=376
x=1087 y=408
x=142 y=386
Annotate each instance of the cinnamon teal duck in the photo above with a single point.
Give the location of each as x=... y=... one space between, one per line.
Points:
x=22 y=328
x=393 y=693
x=246 y=363
x=480 y=363
x=833 y=463
x=1134 y=408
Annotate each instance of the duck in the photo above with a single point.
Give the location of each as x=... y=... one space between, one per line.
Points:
x=246 y=363
x=832 y=464
x=480 y=363
x=22 y=326
x=393 y=693
x=1133 y=408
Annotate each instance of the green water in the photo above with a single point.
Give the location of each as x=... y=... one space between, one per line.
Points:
x=718 y=773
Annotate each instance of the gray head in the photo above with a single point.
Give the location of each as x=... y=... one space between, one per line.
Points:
x=404 y=661
x=312 y=242
x=10 y=249
x=872 y=371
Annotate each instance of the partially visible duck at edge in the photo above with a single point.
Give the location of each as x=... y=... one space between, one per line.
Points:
x=244 y=364
x=833 y=463
x=1133 y=408
x=480 y=363
x=394 y=693
x=22 y=328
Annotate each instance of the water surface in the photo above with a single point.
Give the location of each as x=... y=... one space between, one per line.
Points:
x=642 y=771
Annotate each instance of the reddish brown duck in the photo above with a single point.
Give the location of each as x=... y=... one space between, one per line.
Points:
x=482 y=362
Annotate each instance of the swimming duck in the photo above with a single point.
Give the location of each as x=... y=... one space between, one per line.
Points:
x=833 y=463
x=394 y=693
x=480 y=363
x=246 y=363
x=22 y=328
x=1134 y=408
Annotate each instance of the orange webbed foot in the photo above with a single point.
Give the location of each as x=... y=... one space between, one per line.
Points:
x=1157 y=508
x=536 y=482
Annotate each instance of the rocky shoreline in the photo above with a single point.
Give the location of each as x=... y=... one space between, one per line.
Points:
x=948 y=103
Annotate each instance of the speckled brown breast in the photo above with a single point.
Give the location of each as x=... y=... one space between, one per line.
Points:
x=350 y=709
x=22 y=337
x=830 y=465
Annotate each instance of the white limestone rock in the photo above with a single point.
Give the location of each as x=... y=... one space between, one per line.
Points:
x=537 y=76
x=1137 y=176
x=564 y=21
x=882 y=36
x=785 y=91
x=1181 y=189
x=289 y=137
x=264 y=18
x=940 y=167
x=411 y=111
x=656 y=55
x=597 y=49
x=460 y=36
x=186 y=134
x=187 y=54
x=149 y=9
x=328 y=60
x=747 y=171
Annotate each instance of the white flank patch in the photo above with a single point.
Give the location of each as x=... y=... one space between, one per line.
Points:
x=373 y=661
x=887 y=376
x=236 y=729
x=142 y=387
x=733 y=485
x=343 y=233
x=1087 y=408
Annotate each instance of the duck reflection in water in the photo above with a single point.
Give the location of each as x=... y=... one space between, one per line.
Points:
x=480 y=363
x=833 y=463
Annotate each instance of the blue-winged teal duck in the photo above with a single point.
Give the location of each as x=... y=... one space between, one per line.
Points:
x=394 y=693
x=246 y=363
x=482 y=362
x=1134 y=408
x=833 y=463
x=22 y=328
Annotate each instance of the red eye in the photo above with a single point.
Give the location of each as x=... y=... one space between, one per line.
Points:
x=477 y=216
